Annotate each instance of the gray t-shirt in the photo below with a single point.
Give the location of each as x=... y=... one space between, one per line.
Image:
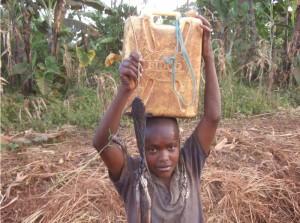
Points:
x=194 y=158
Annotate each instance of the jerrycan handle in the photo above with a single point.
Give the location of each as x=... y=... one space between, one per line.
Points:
x=177 y=15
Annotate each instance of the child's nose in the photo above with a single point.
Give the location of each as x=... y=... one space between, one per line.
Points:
x=164 y=155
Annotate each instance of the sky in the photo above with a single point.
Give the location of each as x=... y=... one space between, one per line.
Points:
x=161 y=5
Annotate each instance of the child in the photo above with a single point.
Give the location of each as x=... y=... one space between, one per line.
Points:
x=170 y=191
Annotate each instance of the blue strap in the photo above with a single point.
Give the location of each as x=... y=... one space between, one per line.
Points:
x=172 y=61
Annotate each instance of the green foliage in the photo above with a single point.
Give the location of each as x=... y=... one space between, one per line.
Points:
x=242 y=28
x=247 y=48
x=82 y=108
x=111 y=26
x=21 y=68
x=85 y=58
x=39 y=44
x=10 y=107
x=249 y=99
x=47 y=73
x=85 y=108
x=9 y=146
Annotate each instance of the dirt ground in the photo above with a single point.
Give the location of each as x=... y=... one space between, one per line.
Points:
x=251 y=175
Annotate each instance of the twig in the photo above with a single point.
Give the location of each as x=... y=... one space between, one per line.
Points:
x=11 y=202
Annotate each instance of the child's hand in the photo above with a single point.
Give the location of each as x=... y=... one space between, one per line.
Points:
x=206 y=41
x=129 y=71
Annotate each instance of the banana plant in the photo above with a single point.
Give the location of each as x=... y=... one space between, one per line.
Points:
x=85 y=57
x=43 y=75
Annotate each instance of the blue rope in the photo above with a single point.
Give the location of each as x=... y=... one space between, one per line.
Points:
x=172 y=61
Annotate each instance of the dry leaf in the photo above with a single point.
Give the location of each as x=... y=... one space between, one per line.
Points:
x=61 y=161
x=221 y=144
x=111 y=59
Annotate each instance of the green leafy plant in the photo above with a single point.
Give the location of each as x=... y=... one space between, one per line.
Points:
x=85 y=58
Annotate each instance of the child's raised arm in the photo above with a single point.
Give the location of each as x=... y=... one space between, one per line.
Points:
x=207 y=126
x=111 y=154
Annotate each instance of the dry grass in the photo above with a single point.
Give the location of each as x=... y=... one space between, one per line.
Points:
x=252 y=175
x=260 y=65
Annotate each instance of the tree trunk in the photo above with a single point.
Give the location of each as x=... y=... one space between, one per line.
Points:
x=17 y=43
x=285 y=44
x=27 y=32
x=295 y=44
x=59 y=14
x=294 y=47
x=253 y=28
x=114 y=3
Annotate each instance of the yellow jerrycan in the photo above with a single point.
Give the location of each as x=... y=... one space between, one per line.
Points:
x=170 y=83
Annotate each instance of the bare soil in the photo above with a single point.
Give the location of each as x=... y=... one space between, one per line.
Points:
x=251 y=175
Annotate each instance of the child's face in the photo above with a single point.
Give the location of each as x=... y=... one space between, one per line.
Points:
x=162 y=149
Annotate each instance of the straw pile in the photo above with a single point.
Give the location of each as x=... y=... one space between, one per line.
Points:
x=252 y=175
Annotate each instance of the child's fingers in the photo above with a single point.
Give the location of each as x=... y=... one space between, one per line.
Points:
x=134 y=70
x=130 y=65
x=135 y=57
x=204 y=20
x=208 y=29
x=137 y=63
x=129 y=73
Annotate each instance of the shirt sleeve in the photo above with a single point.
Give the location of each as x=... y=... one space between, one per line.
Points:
x=194 y=155
x=127 y=177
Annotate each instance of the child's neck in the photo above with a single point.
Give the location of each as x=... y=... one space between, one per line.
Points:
x=166 y=182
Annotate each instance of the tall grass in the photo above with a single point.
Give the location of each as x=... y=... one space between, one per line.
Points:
x=83 y=108
x=239 y=97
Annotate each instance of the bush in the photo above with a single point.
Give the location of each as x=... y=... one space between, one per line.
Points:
x=242 y=98
x=82 y=108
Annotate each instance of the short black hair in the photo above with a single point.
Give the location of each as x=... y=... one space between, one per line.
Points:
x=153 y=120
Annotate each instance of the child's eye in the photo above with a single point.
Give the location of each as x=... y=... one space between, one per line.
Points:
x=172 y=148
x=152 y=150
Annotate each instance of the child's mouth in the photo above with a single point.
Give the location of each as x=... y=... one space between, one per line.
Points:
x=164 y=168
